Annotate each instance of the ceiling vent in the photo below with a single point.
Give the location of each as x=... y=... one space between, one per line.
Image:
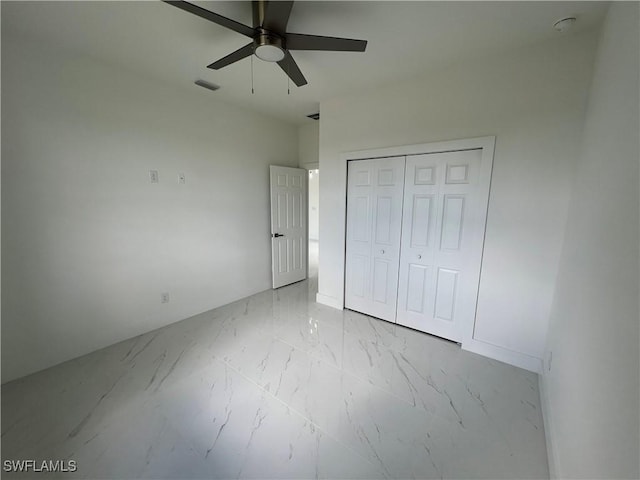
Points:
x=314 y=116
x=209 y=86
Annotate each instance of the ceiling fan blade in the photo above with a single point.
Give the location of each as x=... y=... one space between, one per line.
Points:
x=299 y=41
x=290 y=67
x=239 y=54
x=276 y=16
x=213 y=17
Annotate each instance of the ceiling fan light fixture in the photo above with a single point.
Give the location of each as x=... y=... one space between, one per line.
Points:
x=269 y=53
x=269 y=47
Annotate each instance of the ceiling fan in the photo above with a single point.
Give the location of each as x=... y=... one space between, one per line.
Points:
x=270 y=40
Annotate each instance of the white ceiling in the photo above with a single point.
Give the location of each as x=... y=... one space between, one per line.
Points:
x=405 y=39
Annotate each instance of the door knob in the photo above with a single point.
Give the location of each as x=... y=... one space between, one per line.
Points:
x=419 y=256
x=276 y=235
x=382 y=252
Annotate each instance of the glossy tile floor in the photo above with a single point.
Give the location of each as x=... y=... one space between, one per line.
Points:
x=277 y=386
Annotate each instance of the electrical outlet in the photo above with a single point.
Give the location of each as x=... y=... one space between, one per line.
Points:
x=164 y=297
x=181 y=178
x=153 y=175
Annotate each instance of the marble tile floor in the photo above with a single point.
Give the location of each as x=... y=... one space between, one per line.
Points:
x=276 y=386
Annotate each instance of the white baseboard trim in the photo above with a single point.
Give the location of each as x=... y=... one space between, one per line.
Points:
x=517 y=359
x=548 y=428
x=329 y=301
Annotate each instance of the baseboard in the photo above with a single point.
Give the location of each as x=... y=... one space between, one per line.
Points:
x=329 y=301
x=517 y=359
x=548 y=428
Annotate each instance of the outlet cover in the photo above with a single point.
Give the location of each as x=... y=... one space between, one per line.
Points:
x=164 y=297
x=153 y=175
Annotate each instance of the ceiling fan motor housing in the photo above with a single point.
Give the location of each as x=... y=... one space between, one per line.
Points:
x=268 y=46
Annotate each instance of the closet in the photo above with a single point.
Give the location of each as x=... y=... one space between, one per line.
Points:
x=415 y=232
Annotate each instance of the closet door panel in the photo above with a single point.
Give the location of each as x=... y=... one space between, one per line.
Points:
x=374 y=222
x=442 y=208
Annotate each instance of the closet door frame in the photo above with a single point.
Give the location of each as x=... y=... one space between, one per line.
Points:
x=487 y=144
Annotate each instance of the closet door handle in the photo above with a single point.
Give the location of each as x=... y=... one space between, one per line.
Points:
x=419 y=257
x=382 y=252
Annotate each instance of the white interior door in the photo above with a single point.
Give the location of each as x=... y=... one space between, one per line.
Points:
x=442 y=237
x=288 y=225
x=374 y=216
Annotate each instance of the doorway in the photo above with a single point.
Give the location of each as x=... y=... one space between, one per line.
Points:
x=288 y=225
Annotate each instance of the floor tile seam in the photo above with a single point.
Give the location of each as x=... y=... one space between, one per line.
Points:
x=366 y=382
x=436 y=414
x=342 y=371
x=301 y=415
x=351 y=374
x=335 y=367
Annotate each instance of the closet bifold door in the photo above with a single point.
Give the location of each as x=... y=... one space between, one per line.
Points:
x=442 y=236
x=374 y=222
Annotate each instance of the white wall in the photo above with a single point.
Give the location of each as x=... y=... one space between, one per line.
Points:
x=308 y=144
x=591 y=394
x=88 y=242
x=314 y=205
x=308 y=156
x=533 y=100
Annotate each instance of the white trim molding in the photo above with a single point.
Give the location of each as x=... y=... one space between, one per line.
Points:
x=330 y=301
x=549 y=430
x=310 y=166
x=486 y=143
x=517 y=359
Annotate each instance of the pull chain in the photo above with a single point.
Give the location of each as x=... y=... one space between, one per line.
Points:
x=252 y=92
